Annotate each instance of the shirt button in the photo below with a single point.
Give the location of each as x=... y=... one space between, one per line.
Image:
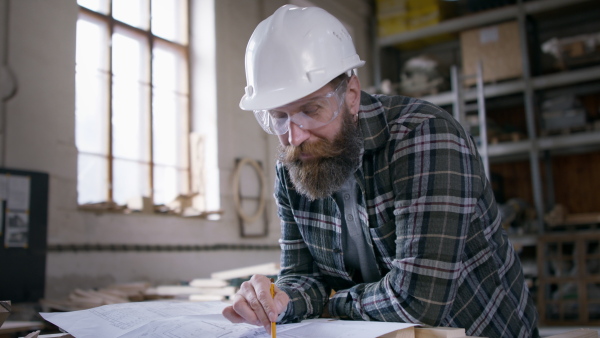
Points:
x=349 y=217
x=337 y=250
x=346 y=197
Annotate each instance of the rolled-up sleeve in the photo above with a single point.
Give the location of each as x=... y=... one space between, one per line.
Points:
x=299 y=277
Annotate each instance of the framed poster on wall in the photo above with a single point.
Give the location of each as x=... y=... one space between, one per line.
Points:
x=23 y=234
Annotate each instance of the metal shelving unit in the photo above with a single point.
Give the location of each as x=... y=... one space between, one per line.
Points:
x=480 y=19
x=534 y=146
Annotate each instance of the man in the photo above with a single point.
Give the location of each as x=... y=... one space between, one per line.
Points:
x=382 y=199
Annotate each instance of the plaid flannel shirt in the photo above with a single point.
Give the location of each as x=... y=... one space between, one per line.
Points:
x=429 y=214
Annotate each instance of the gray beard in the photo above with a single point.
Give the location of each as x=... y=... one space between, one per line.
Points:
x=321 y=177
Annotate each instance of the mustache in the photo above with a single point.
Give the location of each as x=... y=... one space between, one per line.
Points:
x=319 y=149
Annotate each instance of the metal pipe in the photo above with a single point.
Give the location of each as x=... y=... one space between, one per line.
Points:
x=530 y=117
x=376 y=55
x=483 y=151
x=458 y=103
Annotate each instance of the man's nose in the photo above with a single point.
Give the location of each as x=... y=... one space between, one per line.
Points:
x=297 y=135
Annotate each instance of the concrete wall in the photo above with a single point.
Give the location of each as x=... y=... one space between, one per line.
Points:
x=39 y=136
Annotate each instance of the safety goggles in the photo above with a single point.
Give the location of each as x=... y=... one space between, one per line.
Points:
x=314 y=112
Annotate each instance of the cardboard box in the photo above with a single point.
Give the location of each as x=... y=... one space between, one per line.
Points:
x=497 y=46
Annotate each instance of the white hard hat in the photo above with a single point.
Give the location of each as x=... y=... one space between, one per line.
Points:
x=294 y=53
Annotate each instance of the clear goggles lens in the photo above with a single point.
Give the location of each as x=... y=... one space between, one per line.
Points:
x=314 y=113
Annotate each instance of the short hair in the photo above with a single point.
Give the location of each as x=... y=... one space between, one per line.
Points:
x=338 y=79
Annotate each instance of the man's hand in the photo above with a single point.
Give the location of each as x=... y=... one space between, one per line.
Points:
x=253 y=304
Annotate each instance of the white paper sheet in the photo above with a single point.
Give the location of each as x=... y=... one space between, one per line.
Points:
x=332 y=328
x=177 y=319
x=18 y=192
x=17 y=230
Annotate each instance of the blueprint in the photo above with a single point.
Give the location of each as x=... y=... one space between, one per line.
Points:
x=185 y=319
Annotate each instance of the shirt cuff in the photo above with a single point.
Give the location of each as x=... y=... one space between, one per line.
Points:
x=281 y=315
x=339 y=306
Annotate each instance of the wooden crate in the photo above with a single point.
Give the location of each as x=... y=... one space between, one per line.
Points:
x=569 y=278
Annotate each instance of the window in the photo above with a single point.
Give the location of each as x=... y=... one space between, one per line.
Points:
x=132 y=101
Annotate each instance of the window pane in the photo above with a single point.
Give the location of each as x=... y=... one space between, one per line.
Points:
x=168 y=183
x=131 y=179
x=92 y=44
x=91 y=112
x=132 y=12
x=169 y=68
x=130 y=56
x=170 y=126
x=100 y=6
x=92 y=179
x=131 y=97
x=130 y=121
x=169 y=20
x=91 y=101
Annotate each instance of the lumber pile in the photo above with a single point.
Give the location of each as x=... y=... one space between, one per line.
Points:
x=236 y=277
x=198 y=290
x=221 y=286
x=80 y=299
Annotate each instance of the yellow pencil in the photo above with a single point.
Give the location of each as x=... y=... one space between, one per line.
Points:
x=273 y=327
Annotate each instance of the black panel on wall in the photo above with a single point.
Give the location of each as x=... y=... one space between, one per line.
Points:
x=23 y=267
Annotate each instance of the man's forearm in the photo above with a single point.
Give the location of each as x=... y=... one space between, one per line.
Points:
x=308 y=297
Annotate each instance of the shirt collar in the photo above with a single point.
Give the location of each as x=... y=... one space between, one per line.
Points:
x=372 y=122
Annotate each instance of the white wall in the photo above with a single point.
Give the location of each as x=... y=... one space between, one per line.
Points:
x=40 y=136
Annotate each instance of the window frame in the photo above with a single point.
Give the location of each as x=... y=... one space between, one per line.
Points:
x=150 y=39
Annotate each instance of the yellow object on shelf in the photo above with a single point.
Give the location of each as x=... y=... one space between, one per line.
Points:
x=397 y=17
x=390 y=8
x=418 y=4
x=425 y=17
x=392 y=25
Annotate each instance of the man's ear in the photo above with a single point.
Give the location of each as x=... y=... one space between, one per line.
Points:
x=353 y=94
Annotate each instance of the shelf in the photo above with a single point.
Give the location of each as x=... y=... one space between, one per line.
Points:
x=545 y=143
x=569 y=141
x=518 y=86
x=477 y=20
x=508 y=148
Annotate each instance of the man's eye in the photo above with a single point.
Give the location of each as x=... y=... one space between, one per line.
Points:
x=278 y=115
x=312 y=110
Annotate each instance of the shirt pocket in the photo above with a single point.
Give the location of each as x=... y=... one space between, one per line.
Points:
x=384 y=243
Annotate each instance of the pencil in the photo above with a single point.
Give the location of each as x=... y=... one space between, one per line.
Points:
x=273 y=327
